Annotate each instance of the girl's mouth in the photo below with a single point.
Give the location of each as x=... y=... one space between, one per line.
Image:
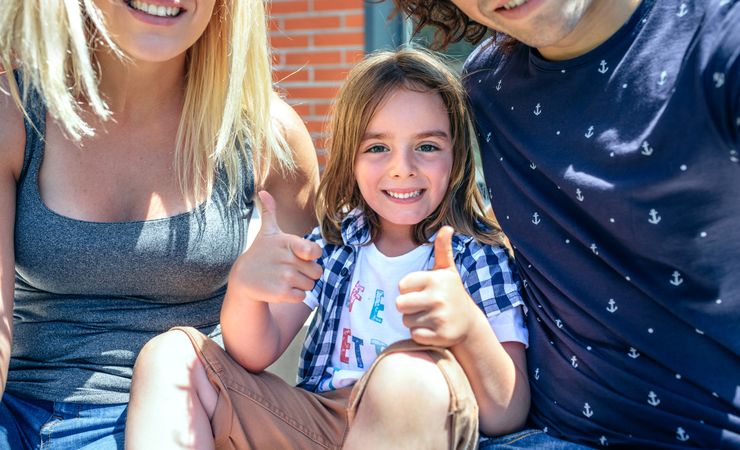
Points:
x=404 y=195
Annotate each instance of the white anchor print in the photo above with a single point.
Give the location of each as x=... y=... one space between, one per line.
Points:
x=603 y=68
x=647 y=150
x=559 y=323
x=574 y=361
x=587 y=411
x=612 y=308
x=654 y=217
x=537 y=373
x=532 y=165
x=663 y=78
x=683 y=10
x=537 y=110
x=579 y=195
x=653 y=399
x=681 y=434
x=719 y=79
x=590 y=132
x=488 y=137
x=498 y=85
x=536 y=219
x=676 y=280
x=594 y=249
x=603 y=441
x=633 y=353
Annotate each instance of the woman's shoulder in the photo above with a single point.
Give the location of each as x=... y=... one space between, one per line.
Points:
x=12 y=131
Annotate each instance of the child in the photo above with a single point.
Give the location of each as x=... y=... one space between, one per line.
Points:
x=399 y=353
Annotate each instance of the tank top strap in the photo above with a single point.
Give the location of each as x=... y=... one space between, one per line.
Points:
x=34 y=122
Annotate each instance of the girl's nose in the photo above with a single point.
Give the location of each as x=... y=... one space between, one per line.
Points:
x=403 y=165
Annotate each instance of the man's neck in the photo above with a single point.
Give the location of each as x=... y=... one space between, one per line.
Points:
x=599 y=23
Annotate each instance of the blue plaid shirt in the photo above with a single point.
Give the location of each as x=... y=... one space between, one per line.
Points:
x=485 y=272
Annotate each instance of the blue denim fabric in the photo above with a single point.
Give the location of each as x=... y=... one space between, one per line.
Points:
x=528 y=439
x=32 y=425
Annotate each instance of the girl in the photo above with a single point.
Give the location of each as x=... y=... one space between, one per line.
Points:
x=408 y=340
x=129 y=149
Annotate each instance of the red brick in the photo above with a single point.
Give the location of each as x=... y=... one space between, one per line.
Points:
x=343 y=5
x=337 y=39
x=330 y=74
x=321 y=109
x=291 y=41
x=301 y=58
x=354 y=21
x=325 y=92
x=290 y=76
x=307 y=23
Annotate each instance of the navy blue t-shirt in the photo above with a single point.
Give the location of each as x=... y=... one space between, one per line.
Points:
x=616 y=177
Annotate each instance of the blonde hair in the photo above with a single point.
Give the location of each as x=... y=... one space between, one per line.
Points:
x=366 y=87
x=228 y=89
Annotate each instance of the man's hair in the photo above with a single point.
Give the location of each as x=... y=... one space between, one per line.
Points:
x=228 y=89
x=367 y=86
x=450 y=23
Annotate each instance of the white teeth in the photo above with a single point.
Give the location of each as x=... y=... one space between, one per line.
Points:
x=514 y=4
x=154 y=10
x=404 y=194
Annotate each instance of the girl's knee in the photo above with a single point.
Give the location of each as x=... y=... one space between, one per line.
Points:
x=410 y=377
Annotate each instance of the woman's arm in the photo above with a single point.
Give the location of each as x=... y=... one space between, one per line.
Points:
x=279 y=266
x=294 y=193
x=12 y=141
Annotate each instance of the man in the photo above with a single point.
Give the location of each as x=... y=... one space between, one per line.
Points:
x=609 y=139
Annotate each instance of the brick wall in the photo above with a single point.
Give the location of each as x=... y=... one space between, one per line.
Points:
x=314 y=44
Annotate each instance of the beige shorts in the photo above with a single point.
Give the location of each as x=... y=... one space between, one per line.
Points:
x=261 y=411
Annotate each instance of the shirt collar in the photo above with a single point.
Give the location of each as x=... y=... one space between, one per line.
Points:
x=356 y=232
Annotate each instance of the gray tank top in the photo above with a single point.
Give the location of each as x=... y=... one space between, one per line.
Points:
x=89 y=295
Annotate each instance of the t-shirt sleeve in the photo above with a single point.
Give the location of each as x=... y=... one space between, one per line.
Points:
x=509 y=326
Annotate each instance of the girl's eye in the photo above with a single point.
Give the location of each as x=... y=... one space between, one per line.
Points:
x=376 y=149
x=426 y=148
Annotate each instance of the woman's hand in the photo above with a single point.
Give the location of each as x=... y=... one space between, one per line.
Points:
x=278 y=267
x=435 y=305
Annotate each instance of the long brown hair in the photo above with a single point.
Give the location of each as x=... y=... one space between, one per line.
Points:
x=366 y=87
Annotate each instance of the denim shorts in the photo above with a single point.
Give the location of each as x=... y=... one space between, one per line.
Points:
x=33 y=424
x=528 y=439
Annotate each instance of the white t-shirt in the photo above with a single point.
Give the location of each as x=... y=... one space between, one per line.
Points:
x=370 y=322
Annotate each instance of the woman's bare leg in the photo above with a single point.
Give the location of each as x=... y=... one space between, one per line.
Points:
x=172 y=400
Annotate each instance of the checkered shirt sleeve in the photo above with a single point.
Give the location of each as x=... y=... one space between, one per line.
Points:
x=490 y=277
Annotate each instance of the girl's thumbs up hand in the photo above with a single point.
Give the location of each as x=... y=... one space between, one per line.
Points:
x=435 y=305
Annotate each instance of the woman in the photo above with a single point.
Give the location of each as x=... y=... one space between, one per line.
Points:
x=133 y=138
